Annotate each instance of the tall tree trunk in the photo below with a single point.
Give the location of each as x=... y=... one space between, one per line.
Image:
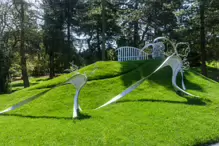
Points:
x=98 y=45
x=135 y=35
x=68 y=35
x=3 y=84
x=4 y=70
x=51 y=65
x=143 y=35
x=69 y=24
x=103 y=28
x=22 y=50
x=202 y=33
x=88 y=43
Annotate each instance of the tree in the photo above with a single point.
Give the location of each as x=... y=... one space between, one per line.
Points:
x=69 y=51
x=22 y=49
x=4 y=68
x=4 y=50
x=198 y=26
x=53 y=37
x=21 y=6
x=103 y=2
x=143 y=20
x=202 y=34
x=89 y=14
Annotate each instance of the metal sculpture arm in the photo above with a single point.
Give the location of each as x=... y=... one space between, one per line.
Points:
x=78 y=81
x=171 y=43
x=176 y=65
x=176 y=61
x=157 y=49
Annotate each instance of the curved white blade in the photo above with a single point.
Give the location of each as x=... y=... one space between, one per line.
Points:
x=173 y=61
x=22 y=103
x=78 y=81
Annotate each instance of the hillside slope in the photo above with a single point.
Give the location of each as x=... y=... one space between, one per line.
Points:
x=153 y=114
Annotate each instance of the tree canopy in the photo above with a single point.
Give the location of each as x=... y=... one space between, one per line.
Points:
x=45 y=36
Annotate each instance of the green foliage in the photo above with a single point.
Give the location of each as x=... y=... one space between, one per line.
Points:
x=189 y=26
x=4 y=68
x=15 y=70
x=111 y=54
x=90 y=24
x=214 y=64
x=5 y=63
x=152 y=111
x=143 y=20
x=40 y=68
x=71 y=31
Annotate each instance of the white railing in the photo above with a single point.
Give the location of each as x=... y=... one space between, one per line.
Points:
x=128 y=53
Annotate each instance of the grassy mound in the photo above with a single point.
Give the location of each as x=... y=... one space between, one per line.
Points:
x=153 y=114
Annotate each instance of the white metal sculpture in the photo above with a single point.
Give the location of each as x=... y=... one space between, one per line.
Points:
x=128 y=53
x=157 y=50
x=177 y=61
x=174 y=61
x=78 y=81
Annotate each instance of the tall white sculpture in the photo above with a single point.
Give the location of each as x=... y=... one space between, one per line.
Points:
x=78 y=81
x=174 y=61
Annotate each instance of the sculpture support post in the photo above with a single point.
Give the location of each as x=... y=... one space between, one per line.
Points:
x=183 y=85
x=78 y=81
x=76 y=105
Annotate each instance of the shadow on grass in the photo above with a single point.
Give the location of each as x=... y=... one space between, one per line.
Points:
x=21 y=84
x=127 y=67
x=42 y=79
x=213 y=74
x=190 y=101
x=81 y=117
x=16 y=89
x=162 y=77
x=144 y=70
x=209 y=143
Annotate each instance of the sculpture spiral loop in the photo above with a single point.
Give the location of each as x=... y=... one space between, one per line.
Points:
x=181 y=50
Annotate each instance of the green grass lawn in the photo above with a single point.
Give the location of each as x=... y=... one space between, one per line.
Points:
x=18 y=84
x=213 y=70
x=153 y=114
